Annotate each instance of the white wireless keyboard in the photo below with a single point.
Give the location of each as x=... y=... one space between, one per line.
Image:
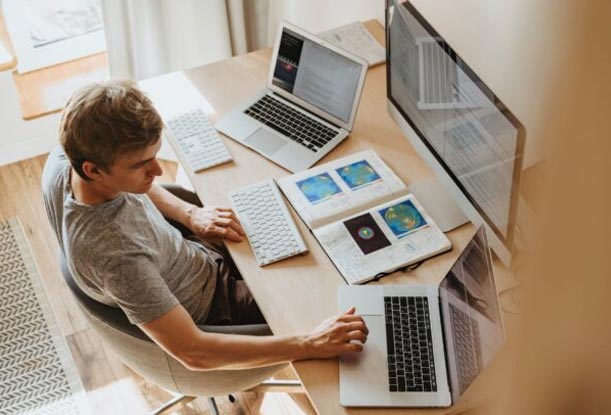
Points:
x=270 y=229
x=198 y=140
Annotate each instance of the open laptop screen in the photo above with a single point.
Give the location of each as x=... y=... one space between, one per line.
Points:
x=317 y=75
x=472 y=327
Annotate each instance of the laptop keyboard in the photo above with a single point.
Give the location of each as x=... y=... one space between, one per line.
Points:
x=409 y=344
x=467 y=346
x=291 y=123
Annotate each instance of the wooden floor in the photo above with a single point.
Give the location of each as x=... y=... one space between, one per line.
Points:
x=111 y=387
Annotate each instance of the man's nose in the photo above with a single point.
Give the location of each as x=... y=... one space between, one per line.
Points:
x=156 y=169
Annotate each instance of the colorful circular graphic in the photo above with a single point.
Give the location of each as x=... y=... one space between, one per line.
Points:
x=366 y=232
x=318 y=188
x=403 y=218
x=358 y=174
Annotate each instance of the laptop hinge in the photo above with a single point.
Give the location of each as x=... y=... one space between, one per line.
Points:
x=444 y=341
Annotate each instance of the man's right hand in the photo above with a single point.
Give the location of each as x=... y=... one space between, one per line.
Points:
x=215 y=222
x=343 y=333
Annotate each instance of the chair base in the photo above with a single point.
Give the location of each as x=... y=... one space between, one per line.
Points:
x=214 y=410
x=174 y=403
x=278 y=385
x=274 y=385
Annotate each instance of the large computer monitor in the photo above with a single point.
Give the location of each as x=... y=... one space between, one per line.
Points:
x=468 y=137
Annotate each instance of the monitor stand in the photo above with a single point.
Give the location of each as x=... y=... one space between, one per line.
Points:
x=438 y=203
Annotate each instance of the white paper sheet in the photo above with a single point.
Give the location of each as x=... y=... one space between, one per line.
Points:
x=355 y=38
x=174 y=94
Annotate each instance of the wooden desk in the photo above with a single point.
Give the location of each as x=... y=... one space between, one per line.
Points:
x=297 y=294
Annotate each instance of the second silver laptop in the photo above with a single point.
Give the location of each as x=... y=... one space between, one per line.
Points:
x=309 y=106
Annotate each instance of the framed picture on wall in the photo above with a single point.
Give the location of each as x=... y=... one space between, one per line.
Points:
x=48 y=32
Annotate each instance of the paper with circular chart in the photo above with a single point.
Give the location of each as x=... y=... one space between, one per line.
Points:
x=403 y=218
x=359 y=174
x=318 y=188
x=366 y=233
x=380 y=240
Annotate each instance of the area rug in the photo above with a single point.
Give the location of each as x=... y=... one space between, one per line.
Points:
x=37 y=374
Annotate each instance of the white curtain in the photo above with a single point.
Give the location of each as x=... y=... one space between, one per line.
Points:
x=146 y=38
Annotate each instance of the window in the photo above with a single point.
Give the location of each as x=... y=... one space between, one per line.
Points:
x=48 y=32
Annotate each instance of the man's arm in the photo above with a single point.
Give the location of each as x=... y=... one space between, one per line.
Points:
x=205 y=222
x=176 y=333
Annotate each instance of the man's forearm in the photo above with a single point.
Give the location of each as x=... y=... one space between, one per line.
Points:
x=221 y=351
x=171 y=206
x=176 y=333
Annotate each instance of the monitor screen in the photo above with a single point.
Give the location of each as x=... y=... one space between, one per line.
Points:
x=317 y=75
x=472 y=328
x=471 y=134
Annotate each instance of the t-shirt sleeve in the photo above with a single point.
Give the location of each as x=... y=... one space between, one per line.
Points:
x=52 y=183
x=136 y=286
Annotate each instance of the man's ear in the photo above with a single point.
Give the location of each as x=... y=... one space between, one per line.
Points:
x=91 y=170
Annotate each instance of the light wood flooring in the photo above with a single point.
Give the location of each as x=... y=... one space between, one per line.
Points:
x=111 y=387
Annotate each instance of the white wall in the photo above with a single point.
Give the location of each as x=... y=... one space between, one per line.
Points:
x=21 y=139
x=514 y=46
x=320 y=15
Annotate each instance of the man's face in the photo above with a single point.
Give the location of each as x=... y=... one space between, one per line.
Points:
x=134 y=172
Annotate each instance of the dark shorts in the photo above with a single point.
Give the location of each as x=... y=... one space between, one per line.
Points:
x=233 y=303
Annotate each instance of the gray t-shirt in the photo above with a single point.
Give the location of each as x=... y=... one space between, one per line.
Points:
x=124 y=253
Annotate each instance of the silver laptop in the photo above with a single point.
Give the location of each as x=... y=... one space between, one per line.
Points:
x=309 y=106
x=426 y=344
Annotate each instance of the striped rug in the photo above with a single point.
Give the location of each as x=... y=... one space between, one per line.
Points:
x=37 y=374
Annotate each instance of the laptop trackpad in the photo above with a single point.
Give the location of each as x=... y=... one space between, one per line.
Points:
x=265 y=142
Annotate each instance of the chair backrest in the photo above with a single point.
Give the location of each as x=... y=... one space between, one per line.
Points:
x=112 y=316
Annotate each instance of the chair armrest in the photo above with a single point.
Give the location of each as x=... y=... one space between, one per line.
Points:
x=247 y=329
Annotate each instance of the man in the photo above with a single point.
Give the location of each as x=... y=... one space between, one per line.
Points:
x=110 y=220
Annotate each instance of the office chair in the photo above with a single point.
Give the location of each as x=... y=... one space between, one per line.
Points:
x=141 y=354
x=136 y=350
